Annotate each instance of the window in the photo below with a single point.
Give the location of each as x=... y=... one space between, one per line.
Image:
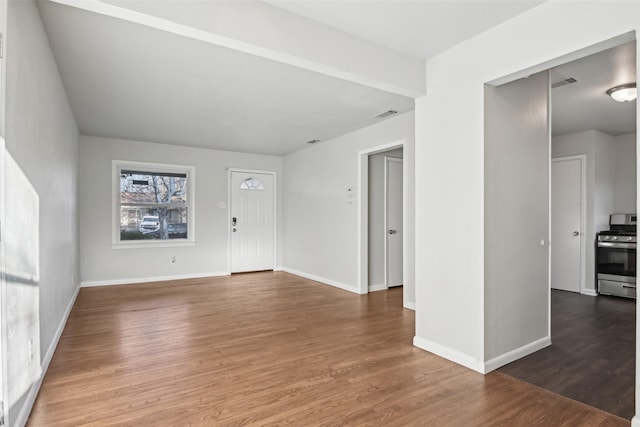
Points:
x=154 y=203
x=251 y=184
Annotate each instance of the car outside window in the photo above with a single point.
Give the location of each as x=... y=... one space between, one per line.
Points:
x=153 y=203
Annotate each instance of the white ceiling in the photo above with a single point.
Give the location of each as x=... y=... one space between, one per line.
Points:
x=130 y=81
x=420 y=28
x=585 y=105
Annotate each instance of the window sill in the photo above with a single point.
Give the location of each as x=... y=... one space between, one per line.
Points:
x=153 y=244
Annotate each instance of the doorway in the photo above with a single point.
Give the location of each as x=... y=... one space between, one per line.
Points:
x=252 y=219
x=568 y=214
x=394 y=227
x=384 y=212
x=584 y=326
x=371 y=253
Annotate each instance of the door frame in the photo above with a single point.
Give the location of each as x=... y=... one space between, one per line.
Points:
x=388 y=159
x=275 y=212
x=363 y=214
x=4 y=405
x=583 y=219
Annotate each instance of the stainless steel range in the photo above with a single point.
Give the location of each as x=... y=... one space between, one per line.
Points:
x=616 y=257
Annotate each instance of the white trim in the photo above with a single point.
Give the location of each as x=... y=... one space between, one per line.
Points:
x=590 y=292
x=516 y=354
x=25 y=411
x=117 y=282
x=376 y=288
x=583 y=222
x=3 y=293
x=136 y=244
x=635 y=421
x=449 y=354
x=410 y=305
x=564 y=59
x=275 y=211
x=116 y=166
x=363 y=213
x=321 y=280
x=388 y=159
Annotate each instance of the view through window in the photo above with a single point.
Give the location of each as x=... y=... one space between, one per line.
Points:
x=153 y=205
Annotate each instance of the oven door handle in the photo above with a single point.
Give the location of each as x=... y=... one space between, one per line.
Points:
x=617 y=245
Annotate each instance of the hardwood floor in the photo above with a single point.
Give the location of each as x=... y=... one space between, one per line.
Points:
x=592 y=358
x=271 y=349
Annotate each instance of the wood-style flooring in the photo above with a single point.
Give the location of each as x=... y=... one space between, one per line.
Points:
x=592 y=357
x=267 y=349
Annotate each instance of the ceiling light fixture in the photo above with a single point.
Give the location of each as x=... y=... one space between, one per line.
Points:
x=623 y=93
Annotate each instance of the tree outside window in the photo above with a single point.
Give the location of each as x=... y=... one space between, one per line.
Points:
x=153 y=205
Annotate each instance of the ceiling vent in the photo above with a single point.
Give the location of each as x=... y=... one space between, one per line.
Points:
x=564 y=82
x=313 y=141
x=386 y=114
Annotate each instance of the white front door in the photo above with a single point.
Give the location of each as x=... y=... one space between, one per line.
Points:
x=394 y=228
x=252 y=221
x=566 y=224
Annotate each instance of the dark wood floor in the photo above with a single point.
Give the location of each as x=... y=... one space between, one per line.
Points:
x=271 y=349
x=592 y=358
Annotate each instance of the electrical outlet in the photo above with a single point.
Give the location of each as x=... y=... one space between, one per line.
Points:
x=173 y=260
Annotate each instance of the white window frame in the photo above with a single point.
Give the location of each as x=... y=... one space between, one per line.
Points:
x=119 y=165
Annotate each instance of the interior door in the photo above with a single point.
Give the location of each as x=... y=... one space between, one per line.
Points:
x=394 y=226
x=566 y=224
x=252 y=221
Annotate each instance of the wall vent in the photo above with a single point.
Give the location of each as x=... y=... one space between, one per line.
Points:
x=386 y=114
x=564 y=82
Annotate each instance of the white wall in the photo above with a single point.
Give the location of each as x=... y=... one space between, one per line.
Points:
x=450 y=154
x=102 y=264
x=42 y=146
x=625 y=170
x=377 y=232
x=321 y=238
x=516 y=214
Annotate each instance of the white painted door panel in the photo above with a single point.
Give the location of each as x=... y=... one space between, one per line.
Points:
x=566 y=224
x=394 y=230
x=252 y=227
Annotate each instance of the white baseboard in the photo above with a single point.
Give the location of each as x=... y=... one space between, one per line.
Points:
x=516 y=354
x=321 y=280
x=450 y=354
x=25 y=411
x=380 y=287
x=590 y=292
x=410 y=305
x=635 y=421
x=151 y=279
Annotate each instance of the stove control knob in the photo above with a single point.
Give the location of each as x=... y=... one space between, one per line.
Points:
x=614 y=238
x=606 y=237
x=629 y=239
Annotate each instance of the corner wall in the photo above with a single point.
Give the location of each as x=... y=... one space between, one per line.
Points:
x=42 y=176
x=450 y=305
x=321 y=221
